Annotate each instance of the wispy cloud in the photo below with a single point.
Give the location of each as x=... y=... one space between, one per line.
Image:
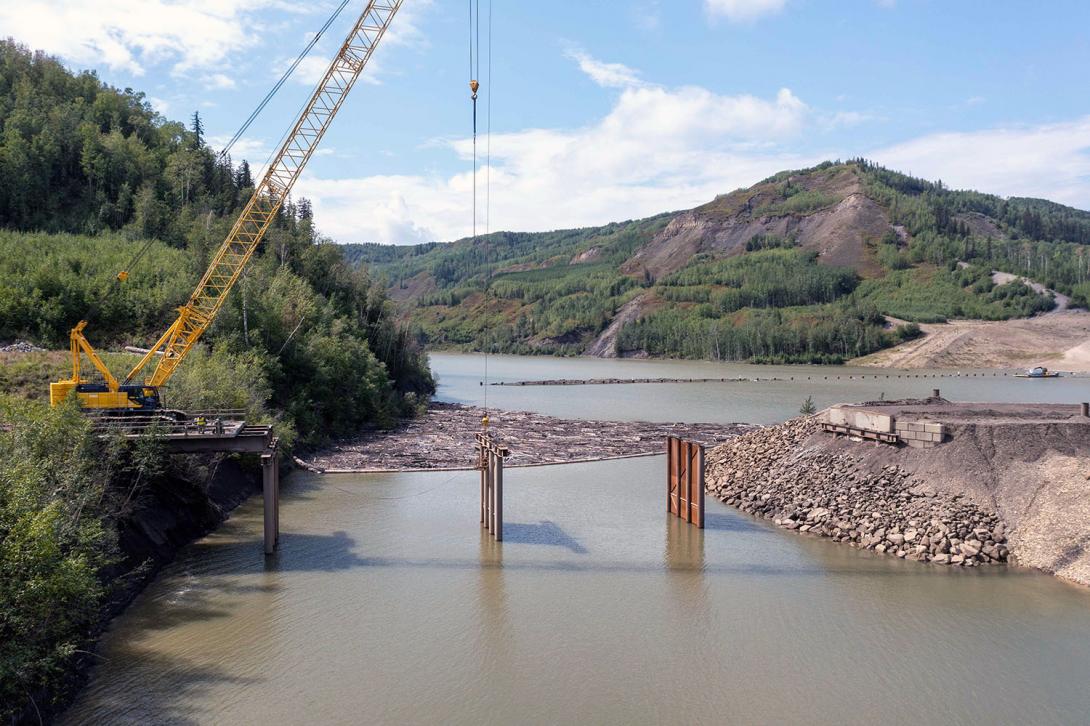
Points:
x=647 y=15
x=743 y=11
x=607 y=75
x=218 y=82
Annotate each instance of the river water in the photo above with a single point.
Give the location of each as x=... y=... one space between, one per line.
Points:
x=386 y=603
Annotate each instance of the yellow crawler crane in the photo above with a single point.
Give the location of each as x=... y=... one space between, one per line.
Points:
x=198 y=313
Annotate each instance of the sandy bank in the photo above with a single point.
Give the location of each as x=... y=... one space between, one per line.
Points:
x=1059 y=340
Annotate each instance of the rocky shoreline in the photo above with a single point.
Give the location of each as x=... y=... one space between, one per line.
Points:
x=771 y=473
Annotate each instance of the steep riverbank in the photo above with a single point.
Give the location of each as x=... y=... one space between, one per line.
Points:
x=990 y=494
x=168 y=513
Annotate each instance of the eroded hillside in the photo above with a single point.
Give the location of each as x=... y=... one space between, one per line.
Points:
x=807 y=265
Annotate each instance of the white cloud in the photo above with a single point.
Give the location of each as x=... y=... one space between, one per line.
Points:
x=218 y=82
x=130 y=34
x=1050 y=160
x=255 y=151
x=741 y=11
x=607 y=75
x=159 y=105
x=656 y=150
x=846 y=119
x=647 y=16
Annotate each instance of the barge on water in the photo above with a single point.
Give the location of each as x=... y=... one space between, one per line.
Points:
x=1038 y=372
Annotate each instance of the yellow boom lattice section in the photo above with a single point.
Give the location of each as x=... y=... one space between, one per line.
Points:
x=284 y=170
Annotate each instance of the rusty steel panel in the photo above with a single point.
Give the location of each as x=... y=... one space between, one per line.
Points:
x=696 y=484
x=685 y=480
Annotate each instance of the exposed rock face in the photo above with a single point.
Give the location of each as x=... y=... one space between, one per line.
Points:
x=839 y=233
x=605 y=345
x=592 y=255
x=779 y=474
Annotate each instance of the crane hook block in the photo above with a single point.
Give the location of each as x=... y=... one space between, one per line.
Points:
x=122 y=276
x=484 y=422
x=473 y=86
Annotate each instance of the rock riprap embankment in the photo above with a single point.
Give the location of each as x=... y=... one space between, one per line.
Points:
x=773 y=473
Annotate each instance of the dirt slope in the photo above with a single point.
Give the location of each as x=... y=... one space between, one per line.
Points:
x=605 y=345
x=1059 y=340
x=838 y=232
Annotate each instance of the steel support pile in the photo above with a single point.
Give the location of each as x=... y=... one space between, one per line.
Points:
x=685 y=480
x=490 y=456
x=270 y=489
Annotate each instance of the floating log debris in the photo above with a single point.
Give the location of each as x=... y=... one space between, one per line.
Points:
x=751 y=379
x=616 y=381
x=443 y=439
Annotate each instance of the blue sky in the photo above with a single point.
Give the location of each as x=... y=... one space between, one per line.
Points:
x=612 y=110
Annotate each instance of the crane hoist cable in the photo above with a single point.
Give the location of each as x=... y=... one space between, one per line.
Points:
x=475 y=86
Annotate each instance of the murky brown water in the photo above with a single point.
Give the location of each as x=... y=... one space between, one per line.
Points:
x=387 y=605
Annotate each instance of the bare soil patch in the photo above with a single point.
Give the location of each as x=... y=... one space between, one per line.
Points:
x=1059 y=340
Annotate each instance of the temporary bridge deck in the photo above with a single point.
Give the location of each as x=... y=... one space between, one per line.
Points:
x=212 y=432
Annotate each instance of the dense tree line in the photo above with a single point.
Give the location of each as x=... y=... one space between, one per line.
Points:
x=79 y=156
x=773 y=278
x=829 y=335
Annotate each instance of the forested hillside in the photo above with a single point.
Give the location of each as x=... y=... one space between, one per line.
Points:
x=89 y=173
x=805 y=266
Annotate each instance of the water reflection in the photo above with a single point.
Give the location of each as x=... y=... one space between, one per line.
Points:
x=684 y=546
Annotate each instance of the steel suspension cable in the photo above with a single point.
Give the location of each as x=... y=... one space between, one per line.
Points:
x=283 y=79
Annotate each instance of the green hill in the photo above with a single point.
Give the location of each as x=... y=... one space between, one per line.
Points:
x=804 y=266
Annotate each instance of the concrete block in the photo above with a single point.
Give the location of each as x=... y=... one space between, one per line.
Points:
x=933 y=428
x=839 y=416
x=920 y=444
x=872 y=421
